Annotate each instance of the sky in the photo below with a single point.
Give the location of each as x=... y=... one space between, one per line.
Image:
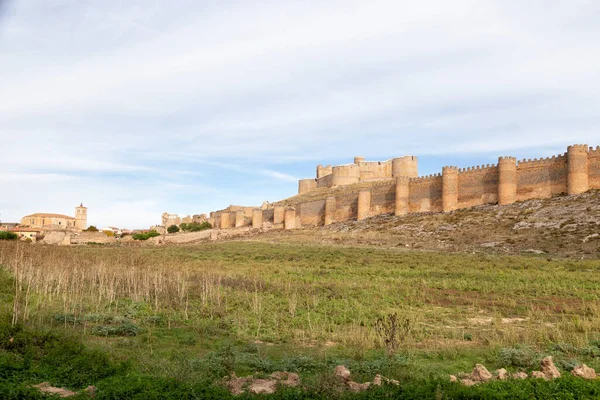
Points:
x=140 y=107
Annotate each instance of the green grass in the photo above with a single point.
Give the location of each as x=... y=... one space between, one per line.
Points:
x=183 y=317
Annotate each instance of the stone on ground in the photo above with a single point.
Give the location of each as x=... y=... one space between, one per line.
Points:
x=45 y=387
x=583 y=371
x=480 y=374
x=549 y=369
x=502 y=374
x=342 y=372
x=263 y=386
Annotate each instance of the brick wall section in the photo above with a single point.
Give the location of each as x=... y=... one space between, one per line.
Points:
x=311 y=213
x=594 y=168
x=541 y=179
x=478 y=185
x=375 y=170
x=383 y=198
x=426 y=194
x=346 y=206
x=268 y=215
x=325 y=181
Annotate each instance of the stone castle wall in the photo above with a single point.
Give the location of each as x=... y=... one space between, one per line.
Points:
x=360 y=171
x=573 y=172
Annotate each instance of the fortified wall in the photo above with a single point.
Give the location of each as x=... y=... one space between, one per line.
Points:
x=393 y=187
x=360 y=171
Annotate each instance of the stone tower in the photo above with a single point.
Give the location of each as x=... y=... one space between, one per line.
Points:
x=81 y=217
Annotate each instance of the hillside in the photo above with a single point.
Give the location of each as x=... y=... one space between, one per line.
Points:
x=563 y=226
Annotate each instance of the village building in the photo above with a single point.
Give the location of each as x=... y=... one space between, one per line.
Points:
x=49 y=221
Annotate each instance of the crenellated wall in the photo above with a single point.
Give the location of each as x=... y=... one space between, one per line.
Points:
x=425 y=194
x=477 y=185
x=360 y=171
x=541 y=179
x=374 y=190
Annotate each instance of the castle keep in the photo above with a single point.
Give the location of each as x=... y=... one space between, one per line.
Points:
x=365 y=189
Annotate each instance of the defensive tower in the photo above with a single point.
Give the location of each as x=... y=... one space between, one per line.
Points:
x=578 y=169
x=507 y=180
x=449 y=188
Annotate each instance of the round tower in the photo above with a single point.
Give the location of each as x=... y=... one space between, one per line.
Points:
x=578 y=169
x=81 y=217
x=449 y=188
x=358 y=160
x=507 y=180
x=407 y=166
x=345 y=174
x=402 y=195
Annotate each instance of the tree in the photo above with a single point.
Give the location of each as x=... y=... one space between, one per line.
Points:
x=184 y=227
x=173 y=229
x=91 y=228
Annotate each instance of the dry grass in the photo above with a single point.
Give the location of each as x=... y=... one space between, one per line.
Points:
x=309 y=295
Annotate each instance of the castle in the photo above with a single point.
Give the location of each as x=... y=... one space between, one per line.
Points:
x=365 y=189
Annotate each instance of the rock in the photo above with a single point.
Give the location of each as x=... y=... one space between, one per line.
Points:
x=263 y=386
x=357 y=387
x=45 y=387
x=453 y=378
x=502 y=374
x=534 y=251
x=549 y=369
x=539 y=374
x=468 y=382
x=342 y=372
x=587 y=238
x=377 y=381
x=235 y=385
x=480 y=374
x=519 y=375
x=91 y=391
x=490 y=244
x=286 y=378
x=583 y=371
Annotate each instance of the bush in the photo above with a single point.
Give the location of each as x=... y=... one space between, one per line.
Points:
x=145 y=236
x=4 y=235
x=195 y=227
x=91 y=228
x=126 y=329
x=173 y=229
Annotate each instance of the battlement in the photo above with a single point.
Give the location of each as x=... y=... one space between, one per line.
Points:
x=426 y=178
x=540 y=162
x=583 y=148
x=367 y=188
x=360 y=171
x=449 y=169
x=477 y=168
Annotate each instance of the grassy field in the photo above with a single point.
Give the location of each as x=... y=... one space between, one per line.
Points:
x=188 y=316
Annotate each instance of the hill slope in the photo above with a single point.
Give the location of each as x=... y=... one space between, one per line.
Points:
x=563 y=226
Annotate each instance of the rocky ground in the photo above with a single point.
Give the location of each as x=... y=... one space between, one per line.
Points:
x=567 y=226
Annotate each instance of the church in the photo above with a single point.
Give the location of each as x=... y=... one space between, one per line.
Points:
x=48 y=221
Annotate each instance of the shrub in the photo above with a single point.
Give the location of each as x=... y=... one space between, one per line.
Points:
x=145 y=236
x=109 y=233
x=91 y=228
x=4 y=235
x=196 y=227
x=173 y=229
x=126 y=329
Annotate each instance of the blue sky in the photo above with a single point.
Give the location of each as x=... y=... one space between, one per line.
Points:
x=140 y=107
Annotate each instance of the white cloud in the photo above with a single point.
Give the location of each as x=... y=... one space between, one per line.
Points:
x=200 y=97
